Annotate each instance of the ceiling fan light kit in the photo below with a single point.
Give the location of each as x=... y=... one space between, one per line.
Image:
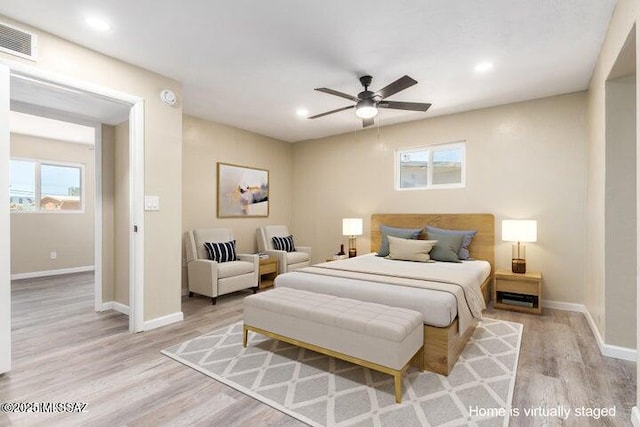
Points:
x=367 y=102
x=366 y=109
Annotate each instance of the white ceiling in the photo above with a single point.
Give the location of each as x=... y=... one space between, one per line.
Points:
x=42 y=127
x=33 y=95
x=251 y=64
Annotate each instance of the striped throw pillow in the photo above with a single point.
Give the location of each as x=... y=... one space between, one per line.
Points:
x=222 y=251
x=284 y=243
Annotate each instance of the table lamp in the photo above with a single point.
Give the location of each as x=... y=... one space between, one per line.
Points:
x=352 y=227
x=519 y=230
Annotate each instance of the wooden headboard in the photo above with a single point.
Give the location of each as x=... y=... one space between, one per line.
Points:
x=482 y=245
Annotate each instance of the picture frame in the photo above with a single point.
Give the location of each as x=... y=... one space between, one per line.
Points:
x=243 y=191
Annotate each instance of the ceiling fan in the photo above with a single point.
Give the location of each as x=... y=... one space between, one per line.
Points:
x=368 y=102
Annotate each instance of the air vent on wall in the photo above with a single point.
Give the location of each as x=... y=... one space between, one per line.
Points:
x=17 y=42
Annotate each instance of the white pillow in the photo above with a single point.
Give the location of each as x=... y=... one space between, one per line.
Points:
x=410 y=249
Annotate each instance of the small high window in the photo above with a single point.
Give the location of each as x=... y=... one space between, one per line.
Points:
x=431 y=167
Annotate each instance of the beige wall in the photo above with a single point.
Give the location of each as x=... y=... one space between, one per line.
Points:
x=121 y=214
x=115 y=213
x=620 y=213
x=204 y=144
x=71 y=235
x=162 y=155
x=524 y=160
x=622 y=23
x=108 y=171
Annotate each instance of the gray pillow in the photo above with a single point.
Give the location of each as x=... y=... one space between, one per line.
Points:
x=403 y=233
x=463 y=253
x=447 y=247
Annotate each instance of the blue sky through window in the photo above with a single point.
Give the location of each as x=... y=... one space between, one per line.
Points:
x=23 y=178
x=58 y=180
x=453 y=155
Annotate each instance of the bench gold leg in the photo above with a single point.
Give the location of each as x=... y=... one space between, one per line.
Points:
x=396 y=373
x=245 y=333
x=397 y=377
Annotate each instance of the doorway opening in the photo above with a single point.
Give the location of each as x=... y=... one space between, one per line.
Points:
x=44 y=94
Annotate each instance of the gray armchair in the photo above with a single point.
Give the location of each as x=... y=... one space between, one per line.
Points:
x=287 y=261
x=211 y=278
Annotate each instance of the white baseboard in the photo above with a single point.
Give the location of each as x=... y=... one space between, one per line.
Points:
x=163 y=321
x=635 y=416
x=117 y=306
x=106 y=306
x=151 y=324
x=566 y=306
x=608 y=350
x=124 y=309
x=57 y=272
x=617 y=352
x=185 y=292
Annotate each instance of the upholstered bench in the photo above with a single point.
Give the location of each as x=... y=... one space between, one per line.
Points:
x=372 y=335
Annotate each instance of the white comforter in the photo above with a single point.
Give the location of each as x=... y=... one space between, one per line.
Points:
x=438 y=290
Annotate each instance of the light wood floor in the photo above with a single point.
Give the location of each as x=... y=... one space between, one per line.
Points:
x=64 y=351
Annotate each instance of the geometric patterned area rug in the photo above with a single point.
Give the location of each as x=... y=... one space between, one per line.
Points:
x=323 y=391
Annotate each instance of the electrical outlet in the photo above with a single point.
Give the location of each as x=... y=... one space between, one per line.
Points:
x=53 y=255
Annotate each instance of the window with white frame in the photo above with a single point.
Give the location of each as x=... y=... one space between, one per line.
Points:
x=43 y=186
x=431 y=167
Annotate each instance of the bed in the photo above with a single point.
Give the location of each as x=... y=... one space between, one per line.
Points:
x=450 y=296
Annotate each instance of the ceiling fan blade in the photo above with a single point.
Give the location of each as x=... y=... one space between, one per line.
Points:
x=336 y=93
x=337 y=110
x=402 y=83
x=413 y=106
x=367 y=122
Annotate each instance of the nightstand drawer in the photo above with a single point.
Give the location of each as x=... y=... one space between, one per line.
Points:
x=519 y=287
x=268 y=272
x=269 y=268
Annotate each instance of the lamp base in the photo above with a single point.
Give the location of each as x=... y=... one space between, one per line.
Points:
x=352 y=246
x=518 y=265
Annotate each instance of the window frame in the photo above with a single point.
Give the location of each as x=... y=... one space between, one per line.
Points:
x=38 y=163
x=430 y=149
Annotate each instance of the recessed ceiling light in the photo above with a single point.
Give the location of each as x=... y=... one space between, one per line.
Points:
x=483 y=67
x=302 y=112
x=97 y=23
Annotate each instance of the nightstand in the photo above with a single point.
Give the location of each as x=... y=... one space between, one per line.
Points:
x=269 y=269
x=518 y=292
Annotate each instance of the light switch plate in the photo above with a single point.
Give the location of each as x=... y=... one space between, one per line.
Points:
x=151 y=203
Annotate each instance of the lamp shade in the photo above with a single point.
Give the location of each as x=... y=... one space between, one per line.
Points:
x=352 y=226
x=519 y=230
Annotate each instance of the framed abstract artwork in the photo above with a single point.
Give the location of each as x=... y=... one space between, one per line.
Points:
x=242 y=191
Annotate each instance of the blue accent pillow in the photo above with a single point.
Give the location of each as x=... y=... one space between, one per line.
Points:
x=221 y=251
x=284 y=243
x=447 y=247
x=463 y=253
x=403 y=233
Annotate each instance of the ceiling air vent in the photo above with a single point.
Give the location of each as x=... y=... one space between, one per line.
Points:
x=17 y=42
